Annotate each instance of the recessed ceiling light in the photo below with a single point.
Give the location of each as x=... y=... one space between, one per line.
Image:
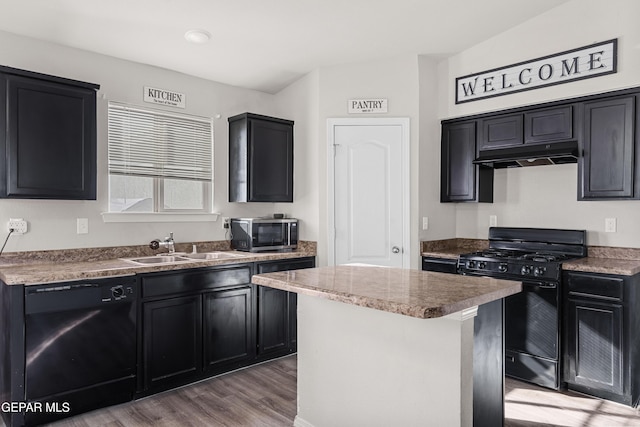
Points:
x=197 y=36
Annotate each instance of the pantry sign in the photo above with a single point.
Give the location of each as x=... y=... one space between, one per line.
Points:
x=367 y=106
x=577 y=64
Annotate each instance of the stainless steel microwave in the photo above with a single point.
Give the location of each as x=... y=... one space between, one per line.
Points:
x=264 y=234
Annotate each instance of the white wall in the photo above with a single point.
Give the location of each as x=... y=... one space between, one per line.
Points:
x=299 y=102
x=53 y=223
x=441 y=216
x=546 y=196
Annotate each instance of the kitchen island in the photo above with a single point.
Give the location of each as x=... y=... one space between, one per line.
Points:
x=384 y=346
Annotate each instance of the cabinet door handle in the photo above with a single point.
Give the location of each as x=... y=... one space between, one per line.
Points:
x=395 y=250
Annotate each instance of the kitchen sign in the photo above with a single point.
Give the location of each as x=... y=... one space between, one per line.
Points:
x=578 y=64
x=164 y=97
x=370 y=106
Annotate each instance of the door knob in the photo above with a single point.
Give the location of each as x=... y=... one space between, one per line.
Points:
x=395 y=249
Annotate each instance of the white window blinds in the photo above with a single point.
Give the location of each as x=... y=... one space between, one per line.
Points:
x=153 y=143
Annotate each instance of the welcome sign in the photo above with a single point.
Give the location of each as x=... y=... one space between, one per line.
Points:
x=577 y=64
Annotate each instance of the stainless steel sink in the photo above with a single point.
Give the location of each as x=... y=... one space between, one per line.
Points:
x=212 y=255
x=158 y=259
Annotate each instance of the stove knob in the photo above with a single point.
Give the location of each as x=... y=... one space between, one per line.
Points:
x=525 y=270
x=482 y=264
x=471 y=264
x=502 y=268
x=539 y=271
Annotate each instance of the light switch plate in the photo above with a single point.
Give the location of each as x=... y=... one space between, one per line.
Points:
x=425 y=222
x=610 y=225
x=82 y=225
x=493 y=220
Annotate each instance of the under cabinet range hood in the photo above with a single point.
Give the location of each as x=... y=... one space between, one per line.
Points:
x=529 y=155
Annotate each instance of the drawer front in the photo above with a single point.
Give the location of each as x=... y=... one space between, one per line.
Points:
x=608 y=288
x=442 y=265
x=194 y=281
x=294 y=264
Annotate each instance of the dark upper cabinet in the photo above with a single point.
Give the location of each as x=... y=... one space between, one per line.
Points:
x=260 y=159
x=501 y=131
x=548 y=125
x=48 y=142
x=607 y=169
x=601 y=355
x=460 y=179
x=537 y=126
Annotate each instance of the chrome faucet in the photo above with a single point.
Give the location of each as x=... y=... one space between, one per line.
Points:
x=167 y=242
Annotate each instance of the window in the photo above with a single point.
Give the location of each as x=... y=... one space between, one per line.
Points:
x=159 y=161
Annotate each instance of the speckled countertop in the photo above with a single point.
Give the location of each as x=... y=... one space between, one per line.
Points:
x=30 y=268
x=415 y=293
x=609 y=260
x=600 y=259
x=452 y=248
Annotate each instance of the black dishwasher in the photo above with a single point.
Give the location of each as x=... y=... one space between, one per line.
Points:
x=80 y=346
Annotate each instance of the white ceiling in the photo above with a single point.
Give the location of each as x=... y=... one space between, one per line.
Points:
x=265 y=44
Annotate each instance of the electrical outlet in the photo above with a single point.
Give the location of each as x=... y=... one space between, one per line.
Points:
x=493 y=220
x=18 y=225
x=82 y=225
x=425 y=223
x=610 y=225
x=225 y=222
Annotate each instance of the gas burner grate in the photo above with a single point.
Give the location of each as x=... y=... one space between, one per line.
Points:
x=543 y=257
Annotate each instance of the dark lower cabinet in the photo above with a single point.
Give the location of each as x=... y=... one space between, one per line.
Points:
x=228 y=331
x=488 y=353
x=601 y=352
x=274 y=331
x=202 y=322
x=195 y=324
x=277 y=317
x=595 y=345
x=172 y=340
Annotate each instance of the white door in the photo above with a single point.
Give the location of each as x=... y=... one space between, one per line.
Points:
x=370 y=191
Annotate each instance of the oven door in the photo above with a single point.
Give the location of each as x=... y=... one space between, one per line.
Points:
x=532 y=334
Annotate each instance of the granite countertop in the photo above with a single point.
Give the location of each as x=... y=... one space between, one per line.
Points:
x=76 y=264
x=415 y=293
x=607 y=260
x=600 y=259
x=451 y=248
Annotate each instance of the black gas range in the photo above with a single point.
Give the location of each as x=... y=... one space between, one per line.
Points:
x=525 y=253
x=532 y=318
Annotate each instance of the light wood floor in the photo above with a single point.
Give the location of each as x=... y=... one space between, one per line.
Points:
x=265 y=396
x=528 y=405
